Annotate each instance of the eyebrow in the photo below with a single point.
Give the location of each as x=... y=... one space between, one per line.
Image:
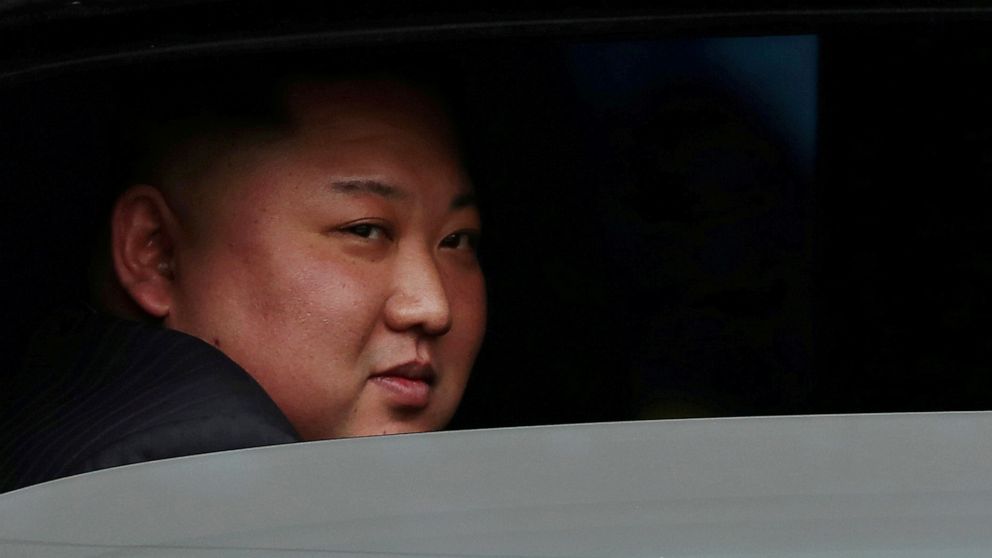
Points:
x=368 y=187
x=388 y=191
x=466 y=199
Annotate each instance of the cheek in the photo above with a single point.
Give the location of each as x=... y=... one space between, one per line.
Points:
x=324 y=302
x=468 y=305
x=284 y=296
x=308 y=322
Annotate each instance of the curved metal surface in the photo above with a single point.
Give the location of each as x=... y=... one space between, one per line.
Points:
x=39 y=38
x=868 y=485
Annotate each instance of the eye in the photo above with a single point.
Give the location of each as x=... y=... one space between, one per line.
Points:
x=367 y=231
x=461 y=240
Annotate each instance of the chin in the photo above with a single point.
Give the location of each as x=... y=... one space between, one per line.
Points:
x=404 y=425
x=388 y=421
x=403 y=428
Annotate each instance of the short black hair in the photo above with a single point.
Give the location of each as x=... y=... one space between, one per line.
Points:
x=171 y=106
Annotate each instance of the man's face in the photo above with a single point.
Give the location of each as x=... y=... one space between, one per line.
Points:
x=337 y=265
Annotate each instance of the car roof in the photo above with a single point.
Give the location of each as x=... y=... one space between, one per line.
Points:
x=38 y=37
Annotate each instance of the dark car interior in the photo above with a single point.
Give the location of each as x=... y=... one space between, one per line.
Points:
x=687 y=212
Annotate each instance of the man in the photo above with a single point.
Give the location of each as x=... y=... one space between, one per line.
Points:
x=324 y=253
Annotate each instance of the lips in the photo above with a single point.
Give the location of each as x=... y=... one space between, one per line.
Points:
x=407 y=385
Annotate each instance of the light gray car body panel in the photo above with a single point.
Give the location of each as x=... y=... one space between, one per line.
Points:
x=857 y=485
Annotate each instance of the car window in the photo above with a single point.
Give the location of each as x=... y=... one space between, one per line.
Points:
x=675 y=226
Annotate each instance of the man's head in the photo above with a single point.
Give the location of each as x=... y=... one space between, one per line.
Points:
x=333 y=257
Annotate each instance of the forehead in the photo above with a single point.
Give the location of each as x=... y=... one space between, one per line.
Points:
x=374 y=128
x=377 y=130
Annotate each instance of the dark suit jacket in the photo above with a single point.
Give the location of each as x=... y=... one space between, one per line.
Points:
x=98 y=392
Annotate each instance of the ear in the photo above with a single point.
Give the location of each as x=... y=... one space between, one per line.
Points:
x=143 y=231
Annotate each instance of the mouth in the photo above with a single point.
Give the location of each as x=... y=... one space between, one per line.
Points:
x=407 y=385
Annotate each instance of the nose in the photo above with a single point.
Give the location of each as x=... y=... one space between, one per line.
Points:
x=419 y=300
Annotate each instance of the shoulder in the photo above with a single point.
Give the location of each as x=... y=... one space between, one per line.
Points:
x=101 y=392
